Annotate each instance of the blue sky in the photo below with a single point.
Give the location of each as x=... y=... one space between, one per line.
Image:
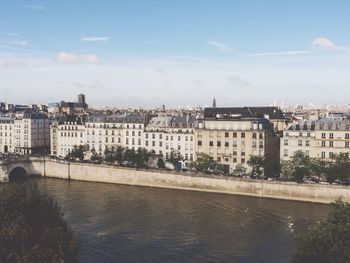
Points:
x=148 y=53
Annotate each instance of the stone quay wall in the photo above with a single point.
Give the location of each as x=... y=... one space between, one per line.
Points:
x=190 y=181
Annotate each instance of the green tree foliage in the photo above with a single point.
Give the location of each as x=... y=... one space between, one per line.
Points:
x=240 y=170
x=204 y=163
x=301 y=166
x=32 y=227
x=329 y=241
x=161 y=163
x=78 y=152
x=257 y=164
x=174 y=157
x=297 y=168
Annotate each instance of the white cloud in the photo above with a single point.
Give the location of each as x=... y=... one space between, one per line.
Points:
x=324 y=43
x=66 y=57
x=94 y=39
x=13 y=34
x=219 y=46
x=282 y=53
x=18 y=42
x=35 y=7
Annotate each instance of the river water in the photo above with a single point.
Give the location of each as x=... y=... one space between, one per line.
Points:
x=117 y=223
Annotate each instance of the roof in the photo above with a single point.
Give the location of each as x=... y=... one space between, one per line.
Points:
x=271 y=113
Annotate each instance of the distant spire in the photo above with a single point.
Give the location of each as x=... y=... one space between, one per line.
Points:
x=214 y=103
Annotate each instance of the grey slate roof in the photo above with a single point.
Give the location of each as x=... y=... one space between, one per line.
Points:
x=244 y=112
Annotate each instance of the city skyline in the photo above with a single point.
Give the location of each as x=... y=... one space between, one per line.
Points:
x=175 y=53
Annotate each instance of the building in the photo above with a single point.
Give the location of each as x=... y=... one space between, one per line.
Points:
x=232 y=135
x=7 y=135
x=298 y=137
x=32 y=134
x=66 y=133
x=319 y=139
x=166 y=133
x=98 y=132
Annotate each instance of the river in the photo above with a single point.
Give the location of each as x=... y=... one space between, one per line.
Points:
x=117 y=223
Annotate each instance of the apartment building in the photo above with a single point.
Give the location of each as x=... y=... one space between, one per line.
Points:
x=7 y=135
x=298 y=137
x=99 y=132
x=232 y=135
x=165 y=133
x=320 y=139
x=65 y=133
x=32 y=133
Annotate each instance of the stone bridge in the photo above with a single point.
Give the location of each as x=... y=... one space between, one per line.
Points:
x=14 y=168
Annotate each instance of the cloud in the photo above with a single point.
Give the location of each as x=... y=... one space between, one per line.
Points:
x=18 y=42
x=35 y=7
x=13 y=34
x=94 y=39
x=324 y=43
x=219 y=46
x=70 y=58
x=282 y=53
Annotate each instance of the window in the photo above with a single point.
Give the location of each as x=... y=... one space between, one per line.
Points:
x=199 y=143
x=323 y=135
x=234 y=135
x=346 y=135
x=226 y=135
x=242 y=153
x=346 y=144
x=242 y=135
x=211 y=143
x=285 y=142
x=218 y=144
x=153 y=143
x=243 y=160
x=226 y=144
x=300 y=143
x=307 y=143
x=323 y=144
x=146 y=142
x=285 y=152
x=234 y=153
x=219 y=159
x=254 y=135
x=331 y=136
x=330 y=144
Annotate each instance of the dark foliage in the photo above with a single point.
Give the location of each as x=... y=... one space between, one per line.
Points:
x=32 y=227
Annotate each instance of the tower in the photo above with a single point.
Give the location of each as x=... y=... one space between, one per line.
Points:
x=81 y=98
x=214 y=103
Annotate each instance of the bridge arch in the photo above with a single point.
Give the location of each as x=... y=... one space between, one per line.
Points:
x=17 y=174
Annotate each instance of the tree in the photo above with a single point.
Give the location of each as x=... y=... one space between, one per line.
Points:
x=161 y=163
x=119 y=154
x=287 y=169
x=32 y=227
x=317 y=166
x=257 y=164
x=174 y=158
x=240 y=170
x=78 y=152
x=204 y=163
x=142 y=157
x=130 y=157
x=297 y=168
x=329 y=241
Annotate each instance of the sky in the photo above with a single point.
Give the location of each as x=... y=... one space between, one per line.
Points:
x=175 y=52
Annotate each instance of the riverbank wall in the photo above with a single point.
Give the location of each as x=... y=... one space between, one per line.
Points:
x=191 y=181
